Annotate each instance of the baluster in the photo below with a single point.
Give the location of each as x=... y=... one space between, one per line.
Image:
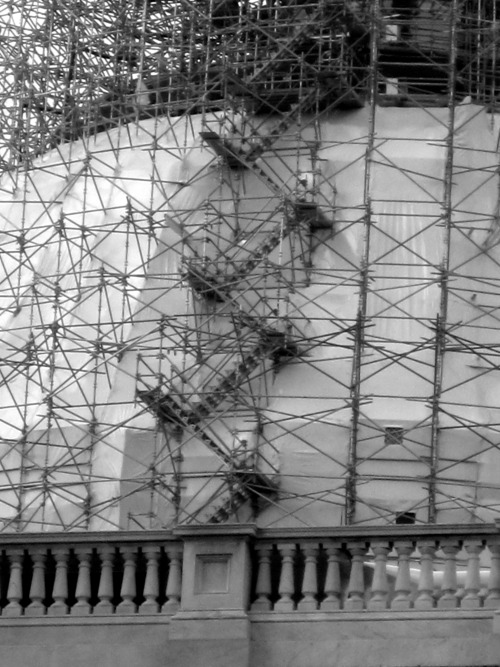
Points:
x=82 y=593
x=333 y=587
x=286 y=585
x=402 y=587
x=356 y=587
x=448 y=599
x=151 y=584
x=174 y=581
x=60 y=591
x=128 y=587
x=380 y=588
x=472 y=587
x=492 y=600
x=37 y=588
x=425 y=595
x=15 y=587
x=310 y=582
x=263 y=586
x=105 y=590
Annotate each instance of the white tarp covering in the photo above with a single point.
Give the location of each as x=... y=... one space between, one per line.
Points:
x=95 y=307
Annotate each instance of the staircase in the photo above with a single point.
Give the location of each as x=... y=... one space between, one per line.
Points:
x=207 y=280
x=246 y=483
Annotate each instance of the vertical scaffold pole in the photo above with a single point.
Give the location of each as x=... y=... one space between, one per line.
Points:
x=359 y=332
x=446 y=221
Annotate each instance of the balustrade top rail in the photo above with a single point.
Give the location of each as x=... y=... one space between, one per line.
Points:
x=359 y=532
x=390 y=532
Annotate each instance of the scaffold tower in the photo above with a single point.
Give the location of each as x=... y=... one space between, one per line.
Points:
x=249 y=263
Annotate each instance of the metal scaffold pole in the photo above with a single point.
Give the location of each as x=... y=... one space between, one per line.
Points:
x=365 y=286
x=446 y=223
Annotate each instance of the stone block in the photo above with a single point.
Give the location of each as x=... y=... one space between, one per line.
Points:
x=216 y=572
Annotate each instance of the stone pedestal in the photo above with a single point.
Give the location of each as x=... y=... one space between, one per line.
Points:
x=212 y=626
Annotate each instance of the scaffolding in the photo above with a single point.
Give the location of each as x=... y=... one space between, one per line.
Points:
x=249 y=263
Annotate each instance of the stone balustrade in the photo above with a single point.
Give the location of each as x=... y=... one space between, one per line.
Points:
x=230 y=567
x=100 y=574
x=372 y=569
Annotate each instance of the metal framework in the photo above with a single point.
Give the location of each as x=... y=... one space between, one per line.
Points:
x=227 y=291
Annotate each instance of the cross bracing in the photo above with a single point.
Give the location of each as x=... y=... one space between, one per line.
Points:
x=249 y=263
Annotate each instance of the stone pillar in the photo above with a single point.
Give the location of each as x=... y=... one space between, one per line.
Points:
x=471 y=600
x=309 y=600
x=60 y=590
x=333 y=584
x=37 y=590
x=380 y=588
x=403 y=587
x=425 y=591
x=105 y=590
x=263 y=587
x=15 y=588
x=151 y=584
x=128 y=587
x=449 y=599
x=356 y=587
x=212 y=625
x=83 y=592
x=174 y=581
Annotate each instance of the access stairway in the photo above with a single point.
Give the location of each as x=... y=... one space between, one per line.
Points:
x=271 y=345
x=208 y=281
x=247 y=483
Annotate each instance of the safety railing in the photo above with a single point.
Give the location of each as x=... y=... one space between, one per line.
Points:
x=396 y=569
x=83 y=574
x=402 y=568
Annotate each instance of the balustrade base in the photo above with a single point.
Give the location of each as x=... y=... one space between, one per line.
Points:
x=149 y=608
x=223 y=639
x=424 y=603
x=330 y=604
x=496 y=622
x=492 y=603
x=447 y=602
x=103 y=608
x=210 y=625
x=285 y=604
x=58 y=609
x=401 y=605
x=170 y=607
x=377 y=604
x=354 y=604
x=13 y=609
x=209 y=638
x=80 y=609
x=125 y=608
x=470 y=603
x=35 y=609
x=261 y=605
x=307 y=605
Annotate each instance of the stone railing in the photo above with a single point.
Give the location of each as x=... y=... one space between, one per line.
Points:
x=374 y=569
x=225 y=568
x=90 y=573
